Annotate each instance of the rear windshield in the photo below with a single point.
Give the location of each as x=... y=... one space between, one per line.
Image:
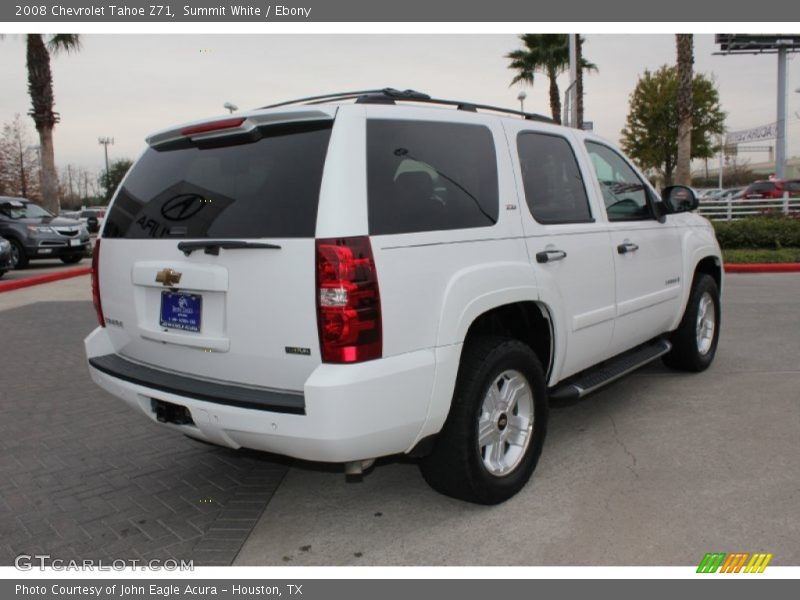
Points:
x=268 y=188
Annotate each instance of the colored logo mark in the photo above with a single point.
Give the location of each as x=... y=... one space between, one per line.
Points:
x=737 y=562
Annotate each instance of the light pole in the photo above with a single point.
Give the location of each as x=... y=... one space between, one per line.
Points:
x=231 y=107
x=105 y=141
x=521 y=97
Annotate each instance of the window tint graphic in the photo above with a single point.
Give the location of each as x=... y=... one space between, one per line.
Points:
x=624 y=194
x=268 y=188
x=428 y=176
x=554 y=188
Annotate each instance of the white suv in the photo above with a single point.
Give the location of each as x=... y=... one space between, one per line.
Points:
x=338 y=281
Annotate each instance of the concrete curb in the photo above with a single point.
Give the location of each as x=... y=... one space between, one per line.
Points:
x=762 y=268
x=7 y=286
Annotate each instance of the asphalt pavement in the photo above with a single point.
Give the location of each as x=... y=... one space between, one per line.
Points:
x=657 y=469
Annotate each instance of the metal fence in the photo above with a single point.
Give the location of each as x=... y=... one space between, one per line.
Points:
x=732 y=210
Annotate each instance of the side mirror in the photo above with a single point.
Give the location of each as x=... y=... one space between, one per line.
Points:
x=678 y=199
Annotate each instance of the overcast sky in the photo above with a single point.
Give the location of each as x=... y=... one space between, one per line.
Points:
x=125 y=86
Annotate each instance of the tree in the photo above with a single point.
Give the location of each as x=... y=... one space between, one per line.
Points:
x=40 y=88
x=116 y=171
x=546 y=53
x=579 y=80
x=650 y=135
x=19 y=161
x=684 y=43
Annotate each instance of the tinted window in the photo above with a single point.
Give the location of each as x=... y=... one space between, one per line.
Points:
x=553 y=184
x=428 y=176
x=760 y=188
x=267 y=188
x=625 y=195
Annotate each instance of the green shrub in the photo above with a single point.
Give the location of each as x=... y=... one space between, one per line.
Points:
x=785 y=255
x=770 y=232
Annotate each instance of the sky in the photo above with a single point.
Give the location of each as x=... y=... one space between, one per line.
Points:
x=127 y=86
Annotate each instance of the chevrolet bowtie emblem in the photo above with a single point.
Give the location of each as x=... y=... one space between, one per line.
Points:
x=168 y=277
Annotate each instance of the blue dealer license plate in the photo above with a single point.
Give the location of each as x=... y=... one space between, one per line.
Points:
x=181 y=311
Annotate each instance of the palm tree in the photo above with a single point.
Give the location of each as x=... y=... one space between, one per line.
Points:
x=40 y=87
x=546 y=53
x=579 y=80
x=684 y=43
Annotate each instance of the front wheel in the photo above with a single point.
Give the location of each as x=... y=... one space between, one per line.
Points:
x=493 y=436
x=694 y=343
x=19 y=259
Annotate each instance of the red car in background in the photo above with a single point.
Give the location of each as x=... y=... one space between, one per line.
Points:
x=771 y=188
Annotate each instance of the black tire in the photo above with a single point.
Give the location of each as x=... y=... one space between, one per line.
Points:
x=2 y=273
x=72 y=259
x=685 y=354
x=19 y=259
x=455 y=466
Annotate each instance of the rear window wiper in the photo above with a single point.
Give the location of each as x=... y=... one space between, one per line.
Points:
x=213 y=246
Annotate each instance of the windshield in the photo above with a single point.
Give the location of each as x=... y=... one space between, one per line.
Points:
x=269 y=188
x=23 y=210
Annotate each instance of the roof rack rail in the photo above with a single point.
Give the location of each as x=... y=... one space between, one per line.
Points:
x=392 y=96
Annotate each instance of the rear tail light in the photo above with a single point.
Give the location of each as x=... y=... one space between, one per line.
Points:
x=213 y=126
x=98 y=307
x=348 y=301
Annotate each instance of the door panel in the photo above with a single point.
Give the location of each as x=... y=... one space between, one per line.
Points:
x=648 y=281
x=569 y=248
x=646 y=251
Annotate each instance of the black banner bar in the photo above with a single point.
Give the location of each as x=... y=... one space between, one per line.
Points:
x=253 y=11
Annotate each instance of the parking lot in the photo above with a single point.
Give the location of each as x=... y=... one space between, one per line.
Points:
x=657 y=469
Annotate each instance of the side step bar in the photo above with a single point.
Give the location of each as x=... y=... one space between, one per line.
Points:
x=611 y=370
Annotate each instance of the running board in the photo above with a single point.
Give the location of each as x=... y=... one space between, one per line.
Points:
x=611 y=370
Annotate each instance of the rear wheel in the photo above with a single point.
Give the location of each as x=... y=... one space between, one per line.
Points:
x=3 y=272
x=493 y=436
x=694 y=343
x=72 y=259
x=19 y=260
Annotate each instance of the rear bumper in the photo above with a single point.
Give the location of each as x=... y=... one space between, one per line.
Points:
x=351 y=412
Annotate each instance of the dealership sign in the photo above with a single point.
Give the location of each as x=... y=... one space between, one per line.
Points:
x=764 y=132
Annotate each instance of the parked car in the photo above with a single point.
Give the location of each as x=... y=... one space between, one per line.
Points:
x=707 y=193
x=344 y=281
x=93 y=218
x=5 y=256
x=772 y=188
x=36 y=233
x=729 y=193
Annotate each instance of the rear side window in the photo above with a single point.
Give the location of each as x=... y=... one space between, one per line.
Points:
x=268 y=188
x=554 y=188
x=429 y=176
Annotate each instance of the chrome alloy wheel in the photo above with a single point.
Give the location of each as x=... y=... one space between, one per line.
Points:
x=706 y=323
x=505 y=425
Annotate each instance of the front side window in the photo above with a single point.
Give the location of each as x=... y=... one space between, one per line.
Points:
x=553 y=183
x=624 y=193
x=430 y=176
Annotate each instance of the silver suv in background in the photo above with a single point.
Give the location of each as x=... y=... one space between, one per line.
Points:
x=36 y=233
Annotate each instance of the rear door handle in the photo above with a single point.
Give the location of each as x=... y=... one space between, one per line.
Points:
x=627 y=247
x=546 y=256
